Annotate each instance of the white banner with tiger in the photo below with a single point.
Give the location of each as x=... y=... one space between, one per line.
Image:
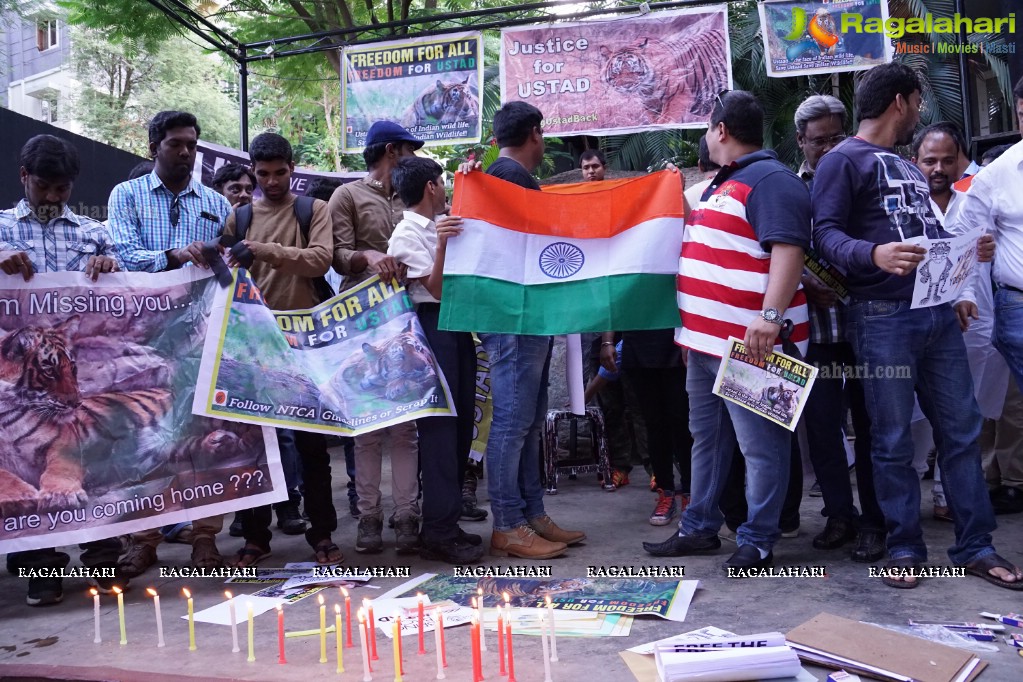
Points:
x=429 y=85
x=97 y=435
x=353 y=364
x=659 y=71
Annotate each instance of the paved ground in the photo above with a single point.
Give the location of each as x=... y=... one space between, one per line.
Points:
x=56 y=642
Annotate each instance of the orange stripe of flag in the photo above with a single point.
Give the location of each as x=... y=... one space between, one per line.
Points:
x=582 y=211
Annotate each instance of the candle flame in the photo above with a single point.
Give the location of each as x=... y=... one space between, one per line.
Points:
x=150 y=591
x=548 y=597
x=227 y=593
x=344 y=591
x=116 y=589
x=505 y=595
x=94 y=592
x=362 y=616
x=337 y=609
x=188 y=595
x=479 y=591
x=320 y=599
x=419 y=596
x=279 y=608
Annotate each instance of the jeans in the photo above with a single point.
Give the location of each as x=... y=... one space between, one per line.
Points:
x=888 y=338
x=519 y=366
x=733 y=496
x=1008 y=334
x=717 y=426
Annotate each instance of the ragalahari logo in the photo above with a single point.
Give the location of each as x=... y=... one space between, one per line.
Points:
x=220 y=397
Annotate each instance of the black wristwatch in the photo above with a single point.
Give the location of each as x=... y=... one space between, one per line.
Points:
x=772 y=315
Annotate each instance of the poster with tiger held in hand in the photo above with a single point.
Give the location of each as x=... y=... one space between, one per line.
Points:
x=97 y=435
x=663 y=70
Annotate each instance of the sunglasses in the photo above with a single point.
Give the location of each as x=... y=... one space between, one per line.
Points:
x=175 y=211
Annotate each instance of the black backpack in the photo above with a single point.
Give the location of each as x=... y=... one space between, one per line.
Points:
x=304 y=214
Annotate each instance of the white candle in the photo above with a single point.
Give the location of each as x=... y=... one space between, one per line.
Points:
x=159 y=618
x=437 y=627
x=234 y=623
x=554 y=641
x=95 y=615
x=479 y=606
x=546 y=653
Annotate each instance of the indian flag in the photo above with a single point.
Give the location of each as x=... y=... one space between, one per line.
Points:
x=589 y=257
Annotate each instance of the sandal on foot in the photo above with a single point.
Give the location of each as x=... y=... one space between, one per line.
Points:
x=249 y=555
x=327 y=553
x=899 y=566
x=982 y=569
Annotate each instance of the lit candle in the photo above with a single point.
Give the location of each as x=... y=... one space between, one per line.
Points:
x=507 y=605
x=511 y=653
x=337 y=638
x=443 y=644
x=191 y=621
x=371 y=630
x=546 y=653
x=348 y=618
x=396 y=637
x=475 y=646
x=159 y=617
x=252 y=648
x=554 y=641
x=401 y=654
x=120 y=614
x=483 y=640
x=280 y=635
x=438 y=630
x=95 y=615
x=422 y=647
x=234 y=623
x=323 y=630
x=500 y=638
x=364 y=643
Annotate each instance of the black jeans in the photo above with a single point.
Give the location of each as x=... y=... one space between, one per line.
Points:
x=664 y=403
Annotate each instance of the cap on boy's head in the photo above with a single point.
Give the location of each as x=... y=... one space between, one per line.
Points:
x=383 y=132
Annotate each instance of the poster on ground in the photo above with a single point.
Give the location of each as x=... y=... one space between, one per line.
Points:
x=946 y=268
x=97 y=435
x=820 y=37
x=355 y=363
x=775 y=388
x=659 y=71
x=431 y=86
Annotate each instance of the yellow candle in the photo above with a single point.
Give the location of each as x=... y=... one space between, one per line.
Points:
x=191 y=621
x=396 y=639
x=120 y=614
x=323 y=630
x=337 y=638
x=252 y=648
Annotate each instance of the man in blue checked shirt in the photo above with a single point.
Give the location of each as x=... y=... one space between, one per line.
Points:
x=159 y=222
x=41 y=234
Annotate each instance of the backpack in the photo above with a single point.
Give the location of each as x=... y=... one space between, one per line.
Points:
x=304 y=214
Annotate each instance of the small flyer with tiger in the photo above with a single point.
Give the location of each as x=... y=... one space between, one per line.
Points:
x=775 y=388
x=430 y=85
x=355 y=363
x=97 y=435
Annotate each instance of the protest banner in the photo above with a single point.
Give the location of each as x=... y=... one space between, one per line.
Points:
x=659 y=71
x=97 y=435
x=429 y=85
x=353 y=364
x=809 y=37
x=586 y=257
x=945 y=269
x=484 y=407
x=775 y=388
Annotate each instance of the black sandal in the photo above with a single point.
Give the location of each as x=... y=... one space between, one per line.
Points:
x=982 y=569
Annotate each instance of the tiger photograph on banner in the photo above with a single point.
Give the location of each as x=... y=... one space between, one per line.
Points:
x=353 y=364
x=97 y=435
x=659 y=71
x=430 y=86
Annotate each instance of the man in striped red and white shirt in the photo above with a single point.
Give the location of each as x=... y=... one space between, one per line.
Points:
x=742 y=256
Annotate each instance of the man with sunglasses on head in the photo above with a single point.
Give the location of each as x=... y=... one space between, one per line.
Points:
x=159 y=222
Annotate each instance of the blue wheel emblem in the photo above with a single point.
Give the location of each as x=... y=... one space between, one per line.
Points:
x=561 y=259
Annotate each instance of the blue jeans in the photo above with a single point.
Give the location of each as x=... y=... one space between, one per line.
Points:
x=889 y=338
x=518 y=380
x=1008 y=334
x=717 y=425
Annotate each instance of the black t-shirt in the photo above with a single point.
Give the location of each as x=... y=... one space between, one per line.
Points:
x=512 y=171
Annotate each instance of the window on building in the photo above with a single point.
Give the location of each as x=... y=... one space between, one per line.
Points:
x=46 y=34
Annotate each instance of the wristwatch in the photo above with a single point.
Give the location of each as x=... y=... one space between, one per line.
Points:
x=772 y=315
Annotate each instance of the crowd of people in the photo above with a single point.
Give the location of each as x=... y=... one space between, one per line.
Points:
x=721 y=469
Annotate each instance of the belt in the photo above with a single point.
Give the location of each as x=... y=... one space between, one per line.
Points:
x=1006 y=286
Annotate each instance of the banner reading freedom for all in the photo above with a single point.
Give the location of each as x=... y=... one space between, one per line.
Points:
x=662 y=70
x=355 y=363
x=574 y=258
x=429 y=85
x=802 y=38
x=97 y=435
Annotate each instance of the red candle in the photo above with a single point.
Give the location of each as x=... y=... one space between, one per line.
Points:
x=500 y=637
x=511 y=654
x=422 y=648
x=443 y=647
x=475 y=645
x=371 y=630
x=280 y=635
x=348 y=619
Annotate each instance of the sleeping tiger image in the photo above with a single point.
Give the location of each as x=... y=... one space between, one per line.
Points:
x=442 y=103
x=658 y=72
x=528 y=591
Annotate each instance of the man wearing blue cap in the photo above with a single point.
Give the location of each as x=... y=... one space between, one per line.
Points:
x=364 y=214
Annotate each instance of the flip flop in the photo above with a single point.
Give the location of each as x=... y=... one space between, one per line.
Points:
x=326 y=548
x=901 y=563
x=249 y=556
x=982 y=569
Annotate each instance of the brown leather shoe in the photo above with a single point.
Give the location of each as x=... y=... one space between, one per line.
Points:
x=523 y=542
x=548 y=530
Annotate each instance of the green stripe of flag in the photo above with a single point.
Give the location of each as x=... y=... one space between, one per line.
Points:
x=482 y=304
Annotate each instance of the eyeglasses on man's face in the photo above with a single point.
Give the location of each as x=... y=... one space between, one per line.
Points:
x=822 y=142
